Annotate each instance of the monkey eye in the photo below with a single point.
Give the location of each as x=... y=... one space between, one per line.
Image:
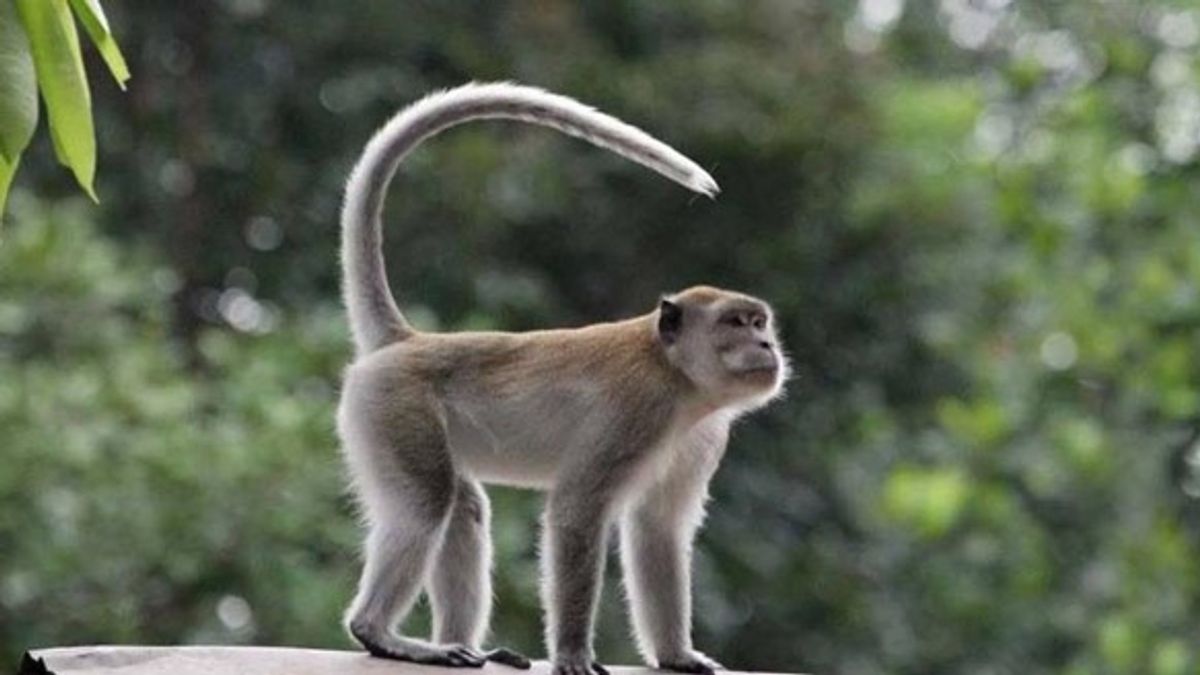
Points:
x=736 y=320
x=759 y=321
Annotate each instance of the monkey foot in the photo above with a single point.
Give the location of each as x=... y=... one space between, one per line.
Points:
x=450 y=656
x=579 y=668
x=509 y=658
x=403 y=649
x=695 y=662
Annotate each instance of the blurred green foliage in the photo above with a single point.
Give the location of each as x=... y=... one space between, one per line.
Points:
x=976 y=220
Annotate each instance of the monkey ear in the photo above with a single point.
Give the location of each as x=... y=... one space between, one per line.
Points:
x=670 y=321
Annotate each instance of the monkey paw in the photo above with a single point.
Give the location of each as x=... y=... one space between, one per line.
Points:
x=454 y=656
x=576 y=666
x=451 y=656
x=509 y=658
x=691 y=662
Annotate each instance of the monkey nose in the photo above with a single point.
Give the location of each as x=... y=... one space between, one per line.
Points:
x=764 y=345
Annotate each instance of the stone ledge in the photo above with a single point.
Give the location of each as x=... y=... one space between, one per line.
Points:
x=134 y=660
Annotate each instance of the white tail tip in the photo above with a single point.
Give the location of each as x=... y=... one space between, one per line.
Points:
x=703 y=183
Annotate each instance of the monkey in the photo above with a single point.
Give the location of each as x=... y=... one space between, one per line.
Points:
x=622 y=424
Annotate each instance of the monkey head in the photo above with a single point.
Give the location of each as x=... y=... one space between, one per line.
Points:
x=725 y=344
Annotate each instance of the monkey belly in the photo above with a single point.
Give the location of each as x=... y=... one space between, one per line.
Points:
x=493 y=451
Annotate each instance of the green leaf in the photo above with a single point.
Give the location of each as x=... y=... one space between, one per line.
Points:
x=18 y=87
x=94 y=22
x=63 y=82
x=7 y=169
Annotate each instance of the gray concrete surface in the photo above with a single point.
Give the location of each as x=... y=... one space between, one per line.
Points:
x=133 y=660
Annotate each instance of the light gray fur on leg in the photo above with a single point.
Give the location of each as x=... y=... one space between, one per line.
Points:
x=656 y=554
x=460 y=585
x=574 y=535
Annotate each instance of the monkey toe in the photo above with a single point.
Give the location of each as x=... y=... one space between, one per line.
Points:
x=584 y=668
x=509 y=658
x=461 y=661
x=459 y=656
x=449 y=659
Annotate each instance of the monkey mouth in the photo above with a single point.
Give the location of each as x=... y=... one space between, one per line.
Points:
x=763 y=372
x=757 y=370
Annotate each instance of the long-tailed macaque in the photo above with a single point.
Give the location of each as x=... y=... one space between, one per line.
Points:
x=622 y=422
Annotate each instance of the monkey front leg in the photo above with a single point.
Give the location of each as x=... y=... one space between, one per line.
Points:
x=656 y=553
x=573 y=548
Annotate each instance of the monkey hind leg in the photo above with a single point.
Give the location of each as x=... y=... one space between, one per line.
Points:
x=460 y=585
x=405 y=480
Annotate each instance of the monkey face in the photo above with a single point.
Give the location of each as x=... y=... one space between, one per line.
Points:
x=725 y=343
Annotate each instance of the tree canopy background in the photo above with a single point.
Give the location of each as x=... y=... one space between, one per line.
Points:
x=976 y=219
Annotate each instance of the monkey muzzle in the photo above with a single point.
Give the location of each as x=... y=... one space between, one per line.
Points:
x=757 y=359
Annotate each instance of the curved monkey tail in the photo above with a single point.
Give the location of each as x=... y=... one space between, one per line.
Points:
x=375 y=319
